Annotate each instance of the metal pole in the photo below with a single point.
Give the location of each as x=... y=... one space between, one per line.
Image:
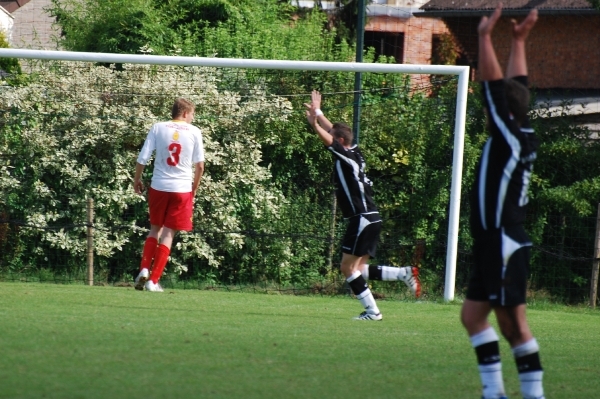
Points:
x=360 y=40
x=231 y=62
x=455 y=189
x=332 y=231
x=90 y=241
x=595 y=267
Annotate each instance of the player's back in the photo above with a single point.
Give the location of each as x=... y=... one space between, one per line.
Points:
x=353 y=188
x=178 y=147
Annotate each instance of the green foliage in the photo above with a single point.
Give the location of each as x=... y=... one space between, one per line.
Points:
x=575 y=186
x=8 y=65
x=564 y=198
x=84 y=144
x=447 y=52
x=111 y=26
x=267 y=29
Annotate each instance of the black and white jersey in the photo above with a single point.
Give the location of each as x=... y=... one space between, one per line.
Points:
x=353 y=188
x=500 y=195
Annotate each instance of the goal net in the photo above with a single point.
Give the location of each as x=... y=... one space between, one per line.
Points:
x=265 y=217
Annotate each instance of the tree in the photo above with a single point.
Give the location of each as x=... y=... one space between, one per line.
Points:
x=267 y=29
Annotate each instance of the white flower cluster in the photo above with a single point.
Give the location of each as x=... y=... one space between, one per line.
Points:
x=74 y=130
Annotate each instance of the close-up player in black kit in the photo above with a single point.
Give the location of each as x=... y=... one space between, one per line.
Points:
x=501 y=246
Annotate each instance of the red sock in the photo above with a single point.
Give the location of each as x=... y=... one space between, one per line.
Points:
x=148 y=253
x=160 y=261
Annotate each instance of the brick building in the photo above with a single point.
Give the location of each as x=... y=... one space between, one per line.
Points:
x=563 y=50
x=393 y=29
x=31 y=24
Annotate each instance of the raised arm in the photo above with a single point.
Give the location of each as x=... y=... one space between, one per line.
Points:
x=323 y=134
x=320 y=124
x=517 y=62
x=488 y=65
x=315 y=107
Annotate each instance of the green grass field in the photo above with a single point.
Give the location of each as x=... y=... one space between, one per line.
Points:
x=66 y=341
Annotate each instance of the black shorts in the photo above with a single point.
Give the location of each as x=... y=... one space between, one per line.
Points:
x=362 y=234
x=501 y=266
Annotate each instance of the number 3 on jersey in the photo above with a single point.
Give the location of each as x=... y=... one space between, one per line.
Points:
x=175 y=150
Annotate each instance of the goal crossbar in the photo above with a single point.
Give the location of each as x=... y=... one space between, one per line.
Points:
x=459 y=125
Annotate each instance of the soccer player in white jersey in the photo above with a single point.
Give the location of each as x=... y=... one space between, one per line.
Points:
x=501 y=247
x=179 y=148
x=354 y=194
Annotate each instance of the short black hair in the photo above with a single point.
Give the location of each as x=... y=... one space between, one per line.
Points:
x=517 y=97
x=342 y=130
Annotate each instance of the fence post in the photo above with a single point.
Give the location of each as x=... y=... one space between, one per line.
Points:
x=594 y=283
x=90 y=241
x=332 y=232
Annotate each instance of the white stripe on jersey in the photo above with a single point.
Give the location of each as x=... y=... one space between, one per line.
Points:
x=355 y=172
x=524 y=198
x=178 y=147
x=340 y=173
x=506 y=176
x=485 y=159
x=515 y=146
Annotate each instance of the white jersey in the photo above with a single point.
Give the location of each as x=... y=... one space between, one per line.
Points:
x=178 y=147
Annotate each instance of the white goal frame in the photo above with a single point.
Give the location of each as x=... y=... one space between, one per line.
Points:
x=459 y=125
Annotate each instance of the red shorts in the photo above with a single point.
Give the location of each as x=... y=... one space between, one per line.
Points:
x=172 y=210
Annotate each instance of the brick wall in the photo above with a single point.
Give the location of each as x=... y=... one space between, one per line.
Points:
x=418 y=34
x=562 y=51
x=32 y=26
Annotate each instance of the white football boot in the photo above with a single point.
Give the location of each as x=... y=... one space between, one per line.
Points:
x=150 y=286
x=369 y=316
x=141 y=279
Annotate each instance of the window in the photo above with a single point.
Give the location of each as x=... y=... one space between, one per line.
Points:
x=390 y=44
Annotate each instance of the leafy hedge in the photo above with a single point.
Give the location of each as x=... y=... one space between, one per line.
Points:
x=265 y=209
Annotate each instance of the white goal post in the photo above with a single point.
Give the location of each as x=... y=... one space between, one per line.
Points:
x=459 y=125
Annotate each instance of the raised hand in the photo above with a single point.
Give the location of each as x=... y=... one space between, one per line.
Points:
x=486 y=25
x=315 y=101
x=315 y=98
x=520 y=31
x=311 y=117
x=314 y=105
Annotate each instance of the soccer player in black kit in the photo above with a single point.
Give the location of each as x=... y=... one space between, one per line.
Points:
x=501 y=247
x=355 y=198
